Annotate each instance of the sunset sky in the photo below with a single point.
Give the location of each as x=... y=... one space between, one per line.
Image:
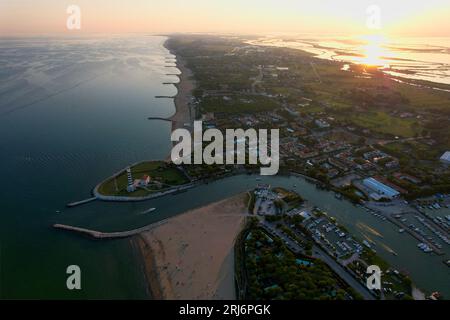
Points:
x=398 y=17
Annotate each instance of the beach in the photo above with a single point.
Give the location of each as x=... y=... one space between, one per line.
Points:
x=185 y=86
x=191 y=256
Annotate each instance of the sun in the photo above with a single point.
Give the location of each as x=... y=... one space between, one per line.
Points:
x=374 y=52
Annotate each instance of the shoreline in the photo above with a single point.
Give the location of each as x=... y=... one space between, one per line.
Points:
x=182 y=116
x=185 y=87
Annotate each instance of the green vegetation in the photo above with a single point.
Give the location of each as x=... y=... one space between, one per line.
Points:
x=240 y=104
x=384 y=123
x=163 y=176
x=274 y=272
x=351 y=193
x=290 y=198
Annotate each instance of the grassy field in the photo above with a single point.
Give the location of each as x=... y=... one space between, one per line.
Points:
x=414 y=150
x=241 y=104
x=166 y=174
x=384 y=123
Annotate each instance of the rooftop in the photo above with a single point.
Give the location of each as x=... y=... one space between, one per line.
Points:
x=446 y=157
x=380 y=188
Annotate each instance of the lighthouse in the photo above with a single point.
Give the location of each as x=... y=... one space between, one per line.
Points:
x=130 y=186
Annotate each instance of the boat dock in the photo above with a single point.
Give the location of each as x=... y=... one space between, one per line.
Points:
x=107 y=235
x=78 y=203
x=415 y=235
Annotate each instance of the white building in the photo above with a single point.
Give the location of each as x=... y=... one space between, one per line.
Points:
x=446 y=158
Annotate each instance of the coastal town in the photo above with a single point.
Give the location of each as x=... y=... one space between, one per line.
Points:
x=226 y=159
x=397 y=171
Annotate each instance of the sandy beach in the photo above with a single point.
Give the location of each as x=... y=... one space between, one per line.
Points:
x=191 y=256
x=185 y=86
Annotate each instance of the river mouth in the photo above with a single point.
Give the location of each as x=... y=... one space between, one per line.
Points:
x=383 y=235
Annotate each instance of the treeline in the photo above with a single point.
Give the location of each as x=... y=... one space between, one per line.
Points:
x=274 y=272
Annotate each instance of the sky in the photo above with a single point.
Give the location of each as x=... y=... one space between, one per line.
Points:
x=396 y=17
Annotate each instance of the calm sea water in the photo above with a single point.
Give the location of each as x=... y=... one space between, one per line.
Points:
x=74 y=111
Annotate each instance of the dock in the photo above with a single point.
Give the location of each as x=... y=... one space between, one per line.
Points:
x=107 y=235
x=415 y=235
x=159 y=118
x=78 y=203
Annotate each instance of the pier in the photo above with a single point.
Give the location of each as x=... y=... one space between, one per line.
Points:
x=78 y=203
x=108 y=235
x=415 y=235
x=165 y=97
x=159 y=118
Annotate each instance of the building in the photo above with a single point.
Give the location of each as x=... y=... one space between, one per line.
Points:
x=446 y=158
x=380 y=190
x=143 y=182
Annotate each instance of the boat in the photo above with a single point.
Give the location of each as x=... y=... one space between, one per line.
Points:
x=401 y=230
x=424 y=247
x=367 y=244
x=148 y=210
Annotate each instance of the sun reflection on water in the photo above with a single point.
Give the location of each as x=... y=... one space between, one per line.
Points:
x=374 y=51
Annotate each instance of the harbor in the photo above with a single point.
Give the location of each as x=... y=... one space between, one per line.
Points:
x=398 y=248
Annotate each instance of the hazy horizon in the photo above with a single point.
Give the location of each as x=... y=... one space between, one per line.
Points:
x=406 y=18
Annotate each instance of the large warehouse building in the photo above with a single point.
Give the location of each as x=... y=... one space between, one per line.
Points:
x=380 y=190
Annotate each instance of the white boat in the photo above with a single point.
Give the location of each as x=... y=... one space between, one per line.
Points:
x=401 y=230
